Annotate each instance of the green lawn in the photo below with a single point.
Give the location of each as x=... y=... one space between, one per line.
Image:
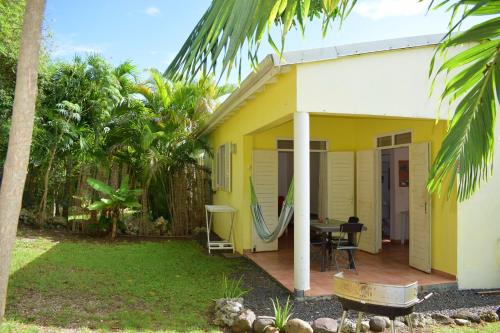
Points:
x=488 y=328
x=128 y=286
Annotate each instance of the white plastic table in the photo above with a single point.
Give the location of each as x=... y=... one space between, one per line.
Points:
x=226 y=244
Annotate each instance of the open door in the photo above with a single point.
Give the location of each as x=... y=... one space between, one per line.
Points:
x=340 y=185
x=420 y=207
x=265 y=180
x=366 y=198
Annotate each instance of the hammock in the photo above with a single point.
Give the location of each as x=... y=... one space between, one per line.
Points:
x=258 y=219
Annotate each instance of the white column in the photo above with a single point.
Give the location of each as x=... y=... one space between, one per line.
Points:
x=301 y=202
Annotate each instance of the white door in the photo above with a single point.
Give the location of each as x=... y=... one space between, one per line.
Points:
x=265 y=180
x=366 y=198
x=340 y=185
x=420 y=207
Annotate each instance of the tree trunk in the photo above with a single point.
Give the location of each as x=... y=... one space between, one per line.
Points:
x=20 y=135
x=42 y=210
x=114 y=220
x=66 y=200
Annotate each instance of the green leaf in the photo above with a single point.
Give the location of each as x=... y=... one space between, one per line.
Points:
x=100 y=186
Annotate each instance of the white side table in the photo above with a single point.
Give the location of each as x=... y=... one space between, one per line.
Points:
x=227 y=244
x=404 y=225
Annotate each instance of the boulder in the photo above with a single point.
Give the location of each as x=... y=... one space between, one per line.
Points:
x=442 y=319
x=489 y=316
x=377 y=324
x=325 y=325
x=462 y=322
x=298 y=326
x=467 y=315
x=243 y=323
x=387 y=321
x=261 y=323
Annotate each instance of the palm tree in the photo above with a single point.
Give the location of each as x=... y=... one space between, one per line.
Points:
x=16 y=163
x=218 y=39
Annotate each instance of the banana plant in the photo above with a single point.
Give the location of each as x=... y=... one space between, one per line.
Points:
x=114 y=200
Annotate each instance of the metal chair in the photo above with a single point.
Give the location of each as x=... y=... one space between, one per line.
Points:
x=348 y=240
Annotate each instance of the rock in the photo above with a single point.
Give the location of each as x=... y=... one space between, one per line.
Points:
x=377 y=324
x=227 y=311
x=387 y=321
x=243 y=322
x=442 y=319
x=462 y=322
x=399 y=324
x=271 y=329
x=325 y=325
x=489 y=316
x=349 y=326
x=261 y=323
x=298 y=326
x=467 y=315
x=365 y=326
x=420 y=320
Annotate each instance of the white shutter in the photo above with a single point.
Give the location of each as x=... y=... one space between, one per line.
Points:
x=366 y=198
x=227 y=167
x=340 y=185
x=420 y=207
x=265 y=180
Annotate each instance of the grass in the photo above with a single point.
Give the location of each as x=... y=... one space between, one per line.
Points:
x=124 y=286
x=486 y=328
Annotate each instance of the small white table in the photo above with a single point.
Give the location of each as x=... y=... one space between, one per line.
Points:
x=227 y=244
x=404 y=225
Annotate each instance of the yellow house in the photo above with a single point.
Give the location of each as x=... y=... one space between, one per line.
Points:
x=356 y=128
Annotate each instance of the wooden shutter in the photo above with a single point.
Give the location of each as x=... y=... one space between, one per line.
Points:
x=214 y=171
x=265 y=180
x=340 y=185
x=420 y=207
x=227 y=167
x=366 y=198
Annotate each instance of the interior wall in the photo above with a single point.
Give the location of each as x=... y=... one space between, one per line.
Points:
x=401 y=196
x=358 y=133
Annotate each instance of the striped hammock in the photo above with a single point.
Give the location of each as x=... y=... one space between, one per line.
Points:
x=284 y=219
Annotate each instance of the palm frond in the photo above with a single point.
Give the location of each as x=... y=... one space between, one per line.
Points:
x=228 y=25
x=467 y=150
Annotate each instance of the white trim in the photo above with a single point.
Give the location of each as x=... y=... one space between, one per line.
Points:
x=311 y=139
x=393 y=134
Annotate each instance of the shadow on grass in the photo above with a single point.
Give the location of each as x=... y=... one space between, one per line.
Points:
x=144 y=286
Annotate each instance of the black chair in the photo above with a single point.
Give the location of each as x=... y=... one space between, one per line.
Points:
x=353 y=219
x=348 y=240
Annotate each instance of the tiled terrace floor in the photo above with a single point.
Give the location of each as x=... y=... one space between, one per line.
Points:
x=388 y=267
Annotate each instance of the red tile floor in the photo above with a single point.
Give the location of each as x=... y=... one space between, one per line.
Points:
x=388 y=267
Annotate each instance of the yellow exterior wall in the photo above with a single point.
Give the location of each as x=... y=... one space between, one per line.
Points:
x=358 y=133
x=276 y=102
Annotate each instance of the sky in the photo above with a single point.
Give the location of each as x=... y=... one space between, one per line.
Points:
x=150 y=32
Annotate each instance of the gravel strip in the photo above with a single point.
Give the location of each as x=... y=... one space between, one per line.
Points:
x=263 y=287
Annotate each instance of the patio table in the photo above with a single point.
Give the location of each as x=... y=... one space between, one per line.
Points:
x=325 y=229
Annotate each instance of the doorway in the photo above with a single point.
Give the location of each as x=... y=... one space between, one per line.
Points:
x=285 y=176
x=394 y=209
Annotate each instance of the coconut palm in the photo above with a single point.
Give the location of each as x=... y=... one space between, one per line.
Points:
x=16 y=163
x=229 y=27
